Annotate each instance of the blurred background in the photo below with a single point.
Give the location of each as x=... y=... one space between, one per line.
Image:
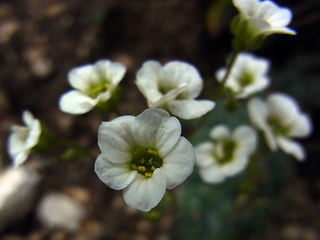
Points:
x=40 y=41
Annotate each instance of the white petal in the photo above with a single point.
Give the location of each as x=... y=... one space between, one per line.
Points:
x=246 y=137
x=219 y=132
x=220 y=74
x=301 y=127
x=155 y=128
x=75 y=102
x=281 y=30
x=115 y=139
x=237 y=165
x=270 y=138
x=27 y=118
x=180 y=73
x=112 y=71
x=280 y=18
x=189 y=109
x=258 y=86
x=204 y=154
x=179 y=162
x=246 y=7
x=17 y=140
x=83 y=77
x=258 y=112
x=284 y=107
x=34 y=134
x=292 y=147
x=211 y=174
x=145 y=193
x=115 y=176
x=147 y=80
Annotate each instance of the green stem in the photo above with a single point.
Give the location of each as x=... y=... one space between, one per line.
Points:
x=229 y=67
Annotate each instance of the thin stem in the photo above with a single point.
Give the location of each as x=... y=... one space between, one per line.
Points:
x=229 y=66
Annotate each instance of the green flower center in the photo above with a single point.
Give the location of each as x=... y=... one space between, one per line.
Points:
x=145 y=161
x=224 y=151
x=246 y=79
x=278 y=127
x=95 y=90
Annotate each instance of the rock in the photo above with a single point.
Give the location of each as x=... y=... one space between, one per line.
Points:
x=57 y=210
x=18 y=189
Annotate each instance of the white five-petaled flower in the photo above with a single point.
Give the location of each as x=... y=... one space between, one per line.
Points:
x=228 y=153
x=23 y=138
x=247 y=75
x=173 y=87
x=266 y=17
x=93 y=84
x=280 y=118
x=143 y=156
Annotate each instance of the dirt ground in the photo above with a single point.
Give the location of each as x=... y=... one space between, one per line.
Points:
x=40 y=41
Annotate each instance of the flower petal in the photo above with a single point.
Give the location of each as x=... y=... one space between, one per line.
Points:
x=147 y=80
x=16 y=140
x=180 y=73
x=204 y=154
x=115 y=139
x=155 y=128
x=258 y=112
x=20 y=158
x=292 y=147
x=211 y=174
x=27 y=118
x=115 y=176
x=34 y=134
x=246 y=137
x=189 y=109
x=219 y=132
x=145 y=193
x=81 y=78
x=301 y=127
x=171 y=95
x=76 y=102
x=284 y=107
x=246 y=7
x=112 y=71
x=178 y=164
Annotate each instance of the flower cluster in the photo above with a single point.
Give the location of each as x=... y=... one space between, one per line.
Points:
x=227 y=155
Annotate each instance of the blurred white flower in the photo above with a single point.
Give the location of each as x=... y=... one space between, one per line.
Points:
x=266 y=17
x=23 y=138
x=93 y=84
x=227 y=155
x=280 y=119
x=173 y=87
x=57 y=210
x=144 y=156
x=247 y=75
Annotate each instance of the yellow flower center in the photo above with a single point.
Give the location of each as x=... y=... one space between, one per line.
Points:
x=97 y=89
x=145 y=161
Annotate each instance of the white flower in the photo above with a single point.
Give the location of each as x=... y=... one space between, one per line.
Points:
x=144 y=156
x=227 y=155
x=173 y=87
x=247 y=75
x=265 y=16
x=93 y=84
x=23 y=138
x=280 y=119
